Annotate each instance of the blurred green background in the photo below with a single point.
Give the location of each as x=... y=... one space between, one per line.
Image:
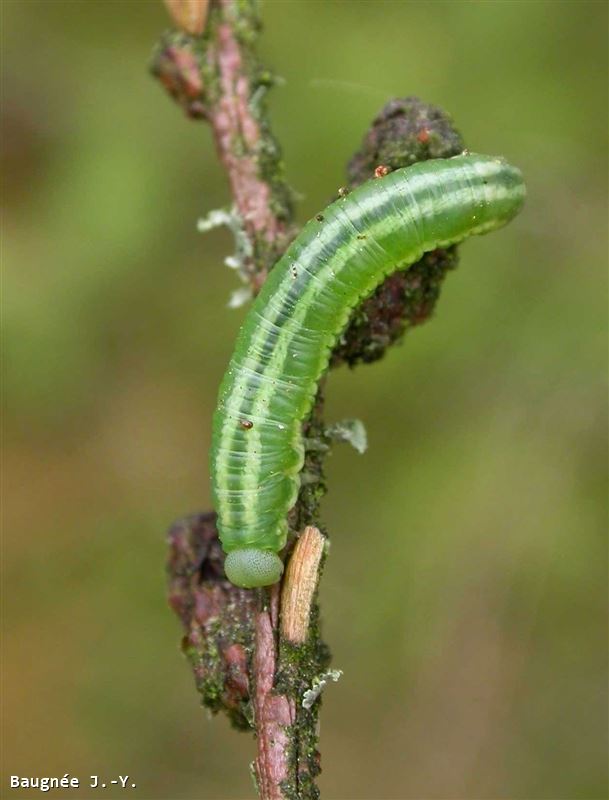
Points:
x=466 y=590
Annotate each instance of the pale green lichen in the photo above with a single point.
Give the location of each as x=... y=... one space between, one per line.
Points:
x=319 y=684
x=351 y=431
x=238 y=261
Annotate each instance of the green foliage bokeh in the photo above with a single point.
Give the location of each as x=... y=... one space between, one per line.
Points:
x=464 y=597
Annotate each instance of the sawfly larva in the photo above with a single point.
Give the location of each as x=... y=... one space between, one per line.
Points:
x=285 y=342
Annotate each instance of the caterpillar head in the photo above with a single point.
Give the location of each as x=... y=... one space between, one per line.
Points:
x=248 y=567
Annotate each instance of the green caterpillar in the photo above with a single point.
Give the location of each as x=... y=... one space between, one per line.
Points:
x=284 y=345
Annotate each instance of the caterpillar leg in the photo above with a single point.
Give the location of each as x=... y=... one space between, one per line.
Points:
x=248 y=567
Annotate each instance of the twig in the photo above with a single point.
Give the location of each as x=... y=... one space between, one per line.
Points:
x=227 y=89
x=266 y=674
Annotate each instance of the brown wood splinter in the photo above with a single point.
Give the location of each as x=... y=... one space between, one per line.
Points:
x=299 y=585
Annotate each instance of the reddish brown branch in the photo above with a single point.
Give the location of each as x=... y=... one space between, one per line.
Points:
x=215 y=76
x=242 y=666
x=275 y=713
x=226 y=88
x=238 y=139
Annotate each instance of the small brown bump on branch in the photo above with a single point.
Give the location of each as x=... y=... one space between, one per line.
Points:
x=405 y=131
x=217 y=617
x=177 y=65
x=299 y=585
x=189 y=15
